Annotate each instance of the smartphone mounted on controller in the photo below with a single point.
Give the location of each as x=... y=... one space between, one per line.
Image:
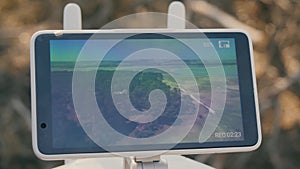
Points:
x=138 y=93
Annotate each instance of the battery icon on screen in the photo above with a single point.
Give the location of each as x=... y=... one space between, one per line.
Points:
x=224 y=44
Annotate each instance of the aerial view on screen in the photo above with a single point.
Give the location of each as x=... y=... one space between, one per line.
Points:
x=63 y=57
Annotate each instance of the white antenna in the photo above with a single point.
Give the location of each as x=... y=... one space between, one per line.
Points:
x=72 y=17
x=176 y=15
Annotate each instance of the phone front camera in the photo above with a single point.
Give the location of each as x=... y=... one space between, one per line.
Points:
x=43 y=125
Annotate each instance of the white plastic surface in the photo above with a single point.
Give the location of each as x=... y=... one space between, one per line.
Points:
x=176 y=15
x=72 y=17
x=174 y=162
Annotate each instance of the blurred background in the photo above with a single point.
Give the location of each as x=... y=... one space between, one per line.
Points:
x=274 y=26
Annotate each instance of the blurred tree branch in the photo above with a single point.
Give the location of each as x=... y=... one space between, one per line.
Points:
x=225 y=19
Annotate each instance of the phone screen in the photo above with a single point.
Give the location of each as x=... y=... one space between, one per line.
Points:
x=137 y=121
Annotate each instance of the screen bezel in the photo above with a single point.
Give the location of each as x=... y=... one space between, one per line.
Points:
x=43 y=95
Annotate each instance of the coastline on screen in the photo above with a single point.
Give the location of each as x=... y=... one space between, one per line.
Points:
x=66 y=129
